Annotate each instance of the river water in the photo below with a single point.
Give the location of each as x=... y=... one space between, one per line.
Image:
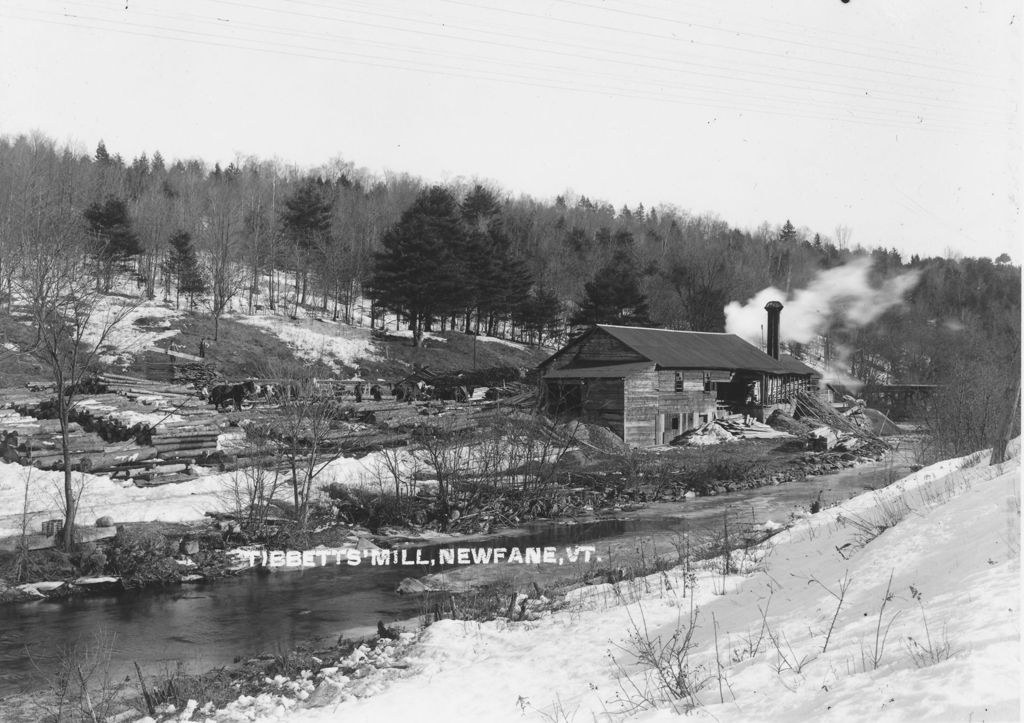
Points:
x=210 y=624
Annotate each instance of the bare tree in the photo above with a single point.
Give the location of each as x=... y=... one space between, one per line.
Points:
x=69 y=330
x=843 y=236
x=303 y=435
x=222 y=233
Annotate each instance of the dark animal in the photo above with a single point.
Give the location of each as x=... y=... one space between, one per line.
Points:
x=9 y=447
x=375 y=392
x=223 y=394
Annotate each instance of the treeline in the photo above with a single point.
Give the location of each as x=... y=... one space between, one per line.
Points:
x=463 y=257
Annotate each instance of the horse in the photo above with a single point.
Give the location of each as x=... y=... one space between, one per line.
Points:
x=222 y=394
x=9 y=447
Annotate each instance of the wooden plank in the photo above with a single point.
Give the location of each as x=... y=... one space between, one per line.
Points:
x=175 y=354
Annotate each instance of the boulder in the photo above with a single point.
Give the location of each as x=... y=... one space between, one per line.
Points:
x=189 y=547
x=105 y=521
x=411 y=586
x=329 y=692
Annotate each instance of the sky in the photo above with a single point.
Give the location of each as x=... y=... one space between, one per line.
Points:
x=897 y=121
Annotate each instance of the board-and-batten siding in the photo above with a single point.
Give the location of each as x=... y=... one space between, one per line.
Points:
x=641 y=408
x=691 y=404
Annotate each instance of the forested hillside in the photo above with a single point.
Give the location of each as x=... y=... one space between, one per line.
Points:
x=468 y=257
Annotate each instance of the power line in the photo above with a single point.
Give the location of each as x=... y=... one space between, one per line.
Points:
x=486 y=75
x=721 y=46
x=880 y=113
x=873 y=56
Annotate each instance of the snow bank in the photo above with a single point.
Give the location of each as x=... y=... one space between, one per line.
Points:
x=938 y=550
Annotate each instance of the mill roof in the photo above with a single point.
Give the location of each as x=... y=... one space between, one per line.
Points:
x=672 y=349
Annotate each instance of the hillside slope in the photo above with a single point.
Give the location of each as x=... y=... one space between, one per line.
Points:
x=269 y=345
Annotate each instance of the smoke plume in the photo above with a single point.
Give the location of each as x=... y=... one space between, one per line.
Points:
x=839 y=297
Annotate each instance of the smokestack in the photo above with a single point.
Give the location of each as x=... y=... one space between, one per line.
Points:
x=774 y=309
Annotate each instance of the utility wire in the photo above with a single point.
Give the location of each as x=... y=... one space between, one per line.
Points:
x=213 y=39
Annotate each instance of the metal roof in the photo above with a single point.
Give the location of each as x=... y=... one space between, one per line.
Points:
x=610 y=370
x=795 y=366
x=671 y=349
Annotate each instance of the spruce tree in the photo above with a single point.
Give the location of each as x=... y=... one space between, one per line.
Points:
x=183 y=265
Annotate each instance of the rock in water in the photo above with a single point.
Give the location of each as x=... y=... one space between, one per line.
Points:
x=411 y=586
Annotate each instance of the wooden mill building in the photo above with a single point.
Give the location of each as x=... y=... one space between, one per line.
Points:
x=650 y=385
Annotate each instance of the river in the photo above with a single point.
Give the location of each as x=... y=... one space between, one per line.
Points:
x=210 y=624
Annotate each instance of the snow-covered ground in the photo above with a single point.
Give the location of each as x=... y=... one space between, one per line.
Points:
x=124 y=339
x=316 y=340
x=927 y=628
x=124 y=502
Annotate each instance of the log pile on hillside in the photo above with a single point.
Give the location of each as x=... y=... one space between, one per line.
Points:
x=148 y=431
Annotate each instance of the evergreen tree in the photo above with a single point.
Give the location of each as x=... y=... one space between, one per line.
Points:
x=306 y=217
x=539 y=314
x=102 y=155
x=788 y=233
x=614 y=296
x=183 y=265
x=419 y=271
x=112 y=240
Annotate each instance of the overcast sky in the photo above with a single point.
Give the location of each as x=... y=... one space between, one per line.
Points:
x=899 y=120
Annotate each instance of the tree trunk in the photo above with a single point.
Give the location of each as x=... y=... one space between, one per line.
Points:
x=70 y=501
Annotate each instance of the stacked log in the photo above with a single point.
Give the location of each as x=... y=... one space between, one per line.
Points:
x=185 y=440
x=14 y=397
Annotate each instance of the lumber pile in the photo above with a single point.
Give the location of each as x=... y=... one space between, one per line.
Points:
x=728 y=429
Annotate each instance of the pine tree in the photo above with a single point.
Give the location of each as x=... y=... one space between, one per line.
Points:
x=539 y=314
x=614 y=296
x=306 y=217
x=112 y=240
x=419 y=271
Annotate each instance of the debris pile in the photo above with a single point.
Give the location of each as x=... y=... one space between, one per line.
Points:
x=853 y=429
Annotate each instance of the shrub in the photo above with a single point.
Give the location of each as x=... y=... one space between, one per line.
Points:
x=141 y=556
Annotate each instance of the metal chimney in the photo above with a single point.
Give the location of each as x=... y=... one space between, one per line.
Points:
x=774 y=309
